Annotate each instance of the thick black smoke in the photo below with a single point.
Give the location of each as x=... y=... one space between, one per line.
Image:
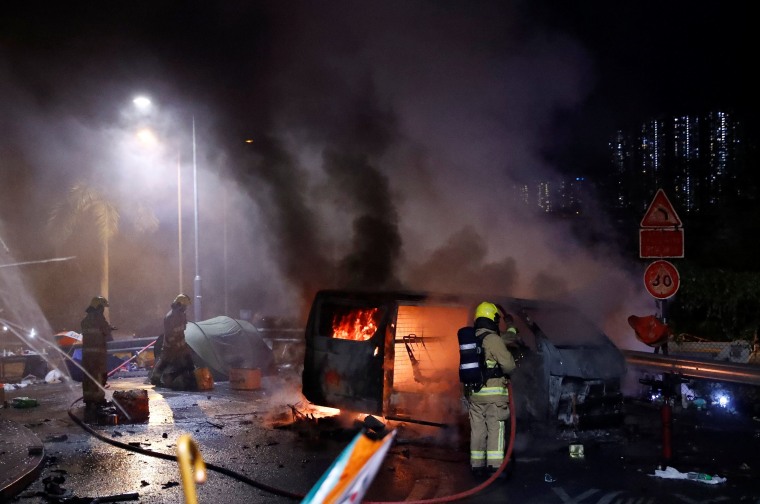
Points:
x=389 y=144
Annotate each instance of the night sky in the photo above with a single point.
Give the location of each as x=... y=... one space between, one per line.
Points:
x=385 y=136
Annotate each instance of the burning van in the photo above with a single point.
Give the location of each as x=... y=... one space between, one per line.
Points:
x=396 y=354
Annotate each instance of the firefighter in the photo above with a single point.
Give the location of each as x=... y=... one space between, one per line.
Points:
x=489 y=406
x=96 y=332
x=174 y=367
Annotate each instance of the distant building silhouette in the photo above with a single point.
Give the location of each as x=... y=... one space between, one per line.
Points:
x=702 y=162
x=697 y=160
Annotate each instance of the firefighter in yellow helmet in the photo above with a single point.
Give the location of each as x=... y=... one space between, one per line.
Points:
x=174 y=367
x=96 y=332
x=489 y=406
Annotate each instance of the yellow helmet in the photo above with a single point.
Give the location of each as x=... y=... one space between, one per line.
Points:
x=183 y=299
x=98 y=301
x=487 y=310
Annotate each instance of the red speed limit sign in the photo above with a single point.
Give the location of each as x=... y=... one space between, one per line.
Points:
x=661 y=279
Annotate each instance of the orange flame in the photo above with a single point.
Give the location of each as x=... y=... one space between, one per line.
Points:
x=357 y=325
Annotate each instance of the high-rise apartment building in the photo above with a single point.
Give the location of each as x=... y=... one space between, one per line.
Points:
x=700 y=161
x=697 y=160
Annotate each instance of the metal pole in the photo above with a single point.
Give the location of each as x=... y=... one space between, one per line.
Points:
x=226 y=307
x=197 y=283
x=179 y=219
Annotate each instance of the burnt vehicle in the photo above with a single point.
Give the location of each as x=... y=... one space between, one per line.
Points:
x=396 y=354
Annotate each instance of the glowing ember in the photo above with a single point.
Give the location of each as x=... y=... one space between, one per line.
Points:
x=358 y=325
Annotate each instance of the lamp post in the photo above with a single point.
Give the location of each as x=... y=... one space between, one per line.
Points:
x=197 y=283
x=144 y=105
x=179 y=219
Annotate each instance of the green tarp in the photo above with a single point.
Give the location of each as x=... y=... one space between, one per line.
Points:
x=224 y=343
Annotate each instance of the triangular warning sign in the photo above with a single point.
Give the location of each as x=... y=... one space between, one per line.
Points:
x=660 y=213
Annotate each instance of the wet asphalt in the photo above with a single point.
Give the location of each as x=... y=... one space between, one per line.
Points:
x=267 y=446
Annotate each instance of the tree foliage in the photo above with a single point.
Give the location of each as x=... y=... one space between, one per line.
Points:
x=716 y=303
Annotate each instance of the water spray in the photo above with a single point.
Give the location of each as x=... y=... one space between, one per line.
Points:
x=41 y=261
x=14 y=328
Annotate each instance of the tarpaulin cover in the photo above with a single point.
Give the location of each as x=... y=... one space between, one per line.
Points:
x=225 y=343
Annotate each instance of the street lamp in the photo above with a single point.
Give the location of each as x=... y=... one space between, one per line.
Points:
x=148 y=137
x=144 y=104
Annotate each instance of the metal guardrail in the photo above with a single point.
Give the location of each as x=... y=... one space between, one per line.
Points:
x=695 y=368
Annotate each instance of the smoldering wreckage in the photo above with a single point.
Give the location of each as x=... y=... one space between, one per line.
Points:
x=394 y=355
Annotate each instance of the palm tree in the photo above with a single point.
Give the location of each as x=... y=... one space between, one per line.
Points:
x=83 y=202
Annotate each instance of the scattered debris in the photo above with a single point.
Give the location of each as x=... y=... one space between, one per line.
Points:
x=54 y=376
x=576 y=451
x=672 y=473
x=24 y=402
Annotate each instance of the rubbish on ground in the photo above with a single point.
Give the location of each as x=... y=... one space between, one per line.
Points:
x=24 y=402
x=698 y=476
x=54 y=376
x=549 y=478
x=672 y=473
x=29 y=379
x=576 y=451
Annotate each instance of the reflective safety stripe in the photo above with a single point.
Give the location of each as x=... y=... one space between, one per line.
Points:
x=469 y=365
x=477 y=458
x=468 y=346
x=492 y=391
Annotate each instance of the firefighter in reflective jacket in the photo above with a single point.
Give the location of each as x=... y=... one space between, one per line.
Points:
x=175 y=368
x=489 y=406
x=96 y=332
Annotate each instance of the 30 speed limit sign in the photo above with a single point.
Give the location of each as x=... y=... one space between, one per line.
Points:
x=661 y=279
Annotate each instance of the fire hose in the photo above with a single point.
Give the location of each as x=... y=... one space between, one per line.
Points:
x=173 y=458
x=192 y=466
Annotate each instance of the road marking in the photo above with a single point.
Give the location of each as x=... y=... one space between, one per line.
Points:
x=607 y=499
x=612 y=498
x=689 y=500
x=566 y=499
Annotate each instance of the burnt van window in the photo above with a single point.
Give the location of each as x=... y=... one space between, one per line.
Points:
x=350 y=322
x=565 y=326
